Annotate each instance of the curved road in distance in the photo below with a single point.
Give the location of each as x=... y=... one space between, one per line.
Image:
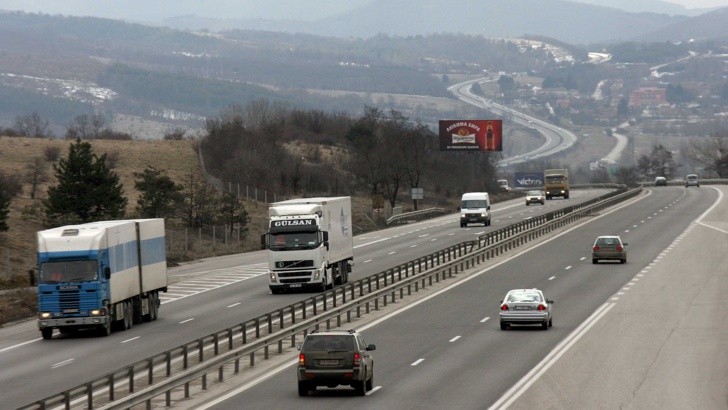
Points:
x=447 y=350
x=557 y=139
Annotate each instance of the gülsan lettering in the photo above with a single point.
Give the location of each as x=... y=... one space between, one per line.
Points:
x=306 y=222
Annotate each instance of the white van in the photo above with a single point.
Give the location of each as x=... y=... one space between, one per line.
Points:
x=475 y=208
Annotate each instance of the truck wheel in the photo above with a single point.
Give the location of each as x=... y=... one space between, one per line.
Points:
x=154 y=308
x=338 y=274
x=128 y=312
x=136 y=311
x=150 y=302
x=47 y=333
x=105 y=329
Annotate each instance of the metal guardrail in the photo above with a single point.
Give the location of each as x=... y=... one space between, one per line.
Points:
x=189 y=365
x=414 y=215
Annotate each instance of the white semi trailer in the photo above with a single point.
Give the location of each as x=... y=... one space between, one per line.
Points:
x=309 y=242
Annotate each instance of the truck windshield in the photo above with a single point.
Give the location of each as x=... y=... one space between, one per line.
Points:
x=556 y=179
x=68 y=271
x=286 y=241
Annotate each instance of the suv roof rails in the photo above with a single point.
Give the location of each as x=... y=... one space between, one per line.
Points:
x=351 y=331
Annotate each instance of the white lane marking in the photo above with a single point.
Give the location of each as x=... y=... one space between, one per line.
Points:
x=185 y=321
x=234 y=304
x=371 y=243
x=392 y=253
x=63 y=363
x=519 y=388
x=455 y=338
x=367 y=261
x=373 y=390
x=418 y=361
x=552 y=278
x=568 y=267
x=485 y=319
x=129 y=340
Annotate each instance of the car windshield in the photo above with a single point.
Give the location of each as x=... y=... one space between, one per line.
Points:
x=329 y=343
x=534 y=193
x=524 y=297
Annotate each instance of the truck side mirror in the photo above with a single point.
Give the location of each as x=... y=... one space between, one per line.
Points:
x=107 y=273
x=326 y=239
x=264 y=241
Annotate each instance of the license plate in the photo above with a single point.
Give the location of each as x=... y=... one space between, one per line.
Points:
x=523 y=307
x=295 y=285
x=328 y=362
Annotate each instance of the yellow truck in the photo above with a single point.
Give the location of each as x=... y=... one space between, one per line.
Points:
x=556 y=183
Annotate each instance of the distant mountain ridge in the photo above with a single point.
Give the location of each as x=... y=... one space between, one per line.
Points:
x=575 y=22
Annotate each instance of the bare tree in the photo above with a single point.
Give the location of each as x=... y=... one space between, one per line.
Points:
x=86 y=127
x=32 y=125
x=36 y=173
x=711 y=153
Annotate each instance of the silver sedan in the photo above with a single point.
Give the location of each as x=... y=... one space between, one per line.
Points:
x=526 y=307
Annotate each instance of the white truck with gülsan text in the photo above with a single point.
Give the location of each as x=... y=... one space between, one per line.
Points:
x=310 y=243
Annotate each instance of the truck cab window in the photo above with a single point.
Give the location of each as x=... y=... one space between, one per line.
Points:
x=72 y=271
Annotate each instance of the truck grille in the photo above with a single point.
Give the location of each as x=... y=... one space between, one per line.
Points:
x=293 y=274
x=70 y=302
x=294 y=264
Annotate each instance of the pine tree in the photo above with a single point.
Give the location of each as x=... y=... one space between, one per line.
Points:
x=87 y=189
x=159 y=194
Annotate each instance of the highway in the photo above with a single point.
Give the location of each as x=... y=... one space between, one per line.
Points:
x=623 y=334
x=211 y=295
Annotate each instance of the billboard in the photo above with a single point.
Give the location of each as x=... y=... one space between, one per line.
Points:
x=528 y=179
x=471 y=135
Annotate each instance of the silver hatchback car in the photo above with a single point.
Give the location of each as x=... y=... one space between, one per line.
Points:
x=692 y=180
x=610 y=248
x=526 y=307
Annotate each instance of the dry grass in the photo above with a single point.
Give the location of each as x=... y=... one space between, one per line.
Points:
x=17 y=255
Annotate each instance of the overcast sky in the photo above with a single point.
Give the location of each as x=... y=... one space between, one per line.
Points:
x=155 y=10
x=695 y=4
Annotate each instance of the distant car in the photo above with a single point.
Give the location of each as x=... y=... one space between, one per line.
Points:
x=660 y=181
x=535 y=197
x=609 y=248
x=526 y=307
x=692 y=180
x=503 y=185
x=335 y=357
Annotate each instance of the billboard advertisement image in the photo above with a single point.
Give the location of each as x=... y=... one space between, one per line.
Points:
x=471 y=135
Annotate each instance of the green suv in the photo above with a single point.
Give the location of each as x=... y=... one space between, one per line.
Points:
x=335 y=357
